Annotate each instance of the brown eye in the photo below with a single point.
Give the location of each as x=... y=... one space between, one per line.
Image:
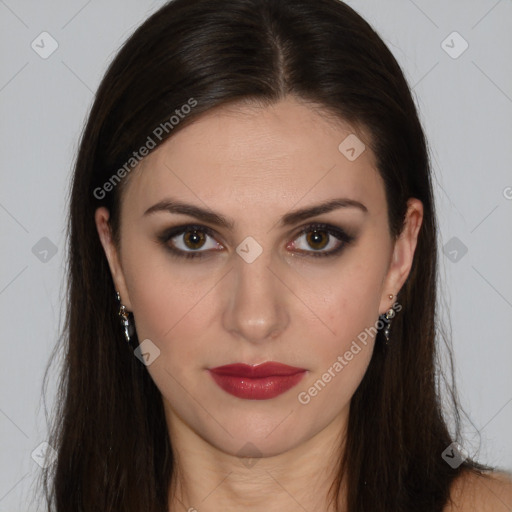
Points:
x=190 y=241
x=321 y=240
x=317 y=239
x=194 y=239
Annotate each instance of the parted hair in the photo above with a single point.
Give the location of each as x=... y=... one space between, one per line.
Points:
x=109 y=428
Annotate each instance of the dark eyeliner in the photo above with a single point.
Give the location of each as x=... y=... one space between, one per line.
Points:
x=337 y=233
x=179 y=230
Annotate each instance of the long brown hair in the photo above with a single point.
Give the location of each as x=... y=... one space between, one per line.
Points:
x=114 y=453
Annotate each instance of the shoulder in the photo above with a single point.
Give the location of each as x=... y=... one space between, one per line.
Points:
x=489 y=491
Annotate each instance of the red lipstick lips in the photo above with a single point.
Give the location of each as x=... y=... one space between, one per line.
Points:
x=260 y=382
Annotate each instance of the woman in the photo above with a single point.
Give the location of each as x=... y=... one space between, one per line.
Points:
x=252 y=200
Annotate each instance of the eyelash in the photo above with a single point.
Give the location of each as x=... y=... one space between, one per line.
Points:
x=337 y=233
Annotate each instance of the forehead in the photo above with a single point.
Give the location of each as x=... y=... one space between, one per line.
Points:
x=247 y=154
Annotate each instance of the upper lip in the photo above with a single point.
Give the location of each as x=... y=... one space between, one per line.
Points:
x=267 y=369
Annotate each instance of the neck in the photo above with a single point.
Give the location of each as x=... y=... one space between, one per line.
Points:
x=207 y=478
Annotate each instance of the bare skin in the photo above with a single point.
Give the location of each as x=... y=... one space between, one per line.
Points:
x=254 y=166
x=490 y=492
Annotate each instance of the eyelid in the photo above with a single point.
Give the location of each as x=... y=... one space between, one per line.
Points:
x=170 y=233
x=340 y=234
x=328 y=228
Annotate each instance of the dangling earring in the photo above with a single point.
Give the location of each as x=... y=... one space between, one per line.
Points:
x=125 y=319
x=387 y=317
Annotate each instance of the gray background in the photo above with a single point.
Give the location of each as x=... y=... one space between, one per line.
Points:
x=465 y=102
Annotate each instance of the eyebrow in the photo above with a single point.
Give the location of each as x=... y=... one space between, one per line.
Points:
x=294 y=217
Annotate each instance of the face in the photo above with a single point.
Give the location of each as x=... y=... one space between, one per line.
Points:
x=256 y=280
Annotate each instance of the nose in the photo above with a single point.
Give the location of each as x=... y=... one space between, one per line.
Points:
x=257 y=300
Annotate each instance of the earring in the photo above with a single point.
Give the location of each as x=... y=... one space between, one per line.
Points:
x=125 y=319
x=387 y=317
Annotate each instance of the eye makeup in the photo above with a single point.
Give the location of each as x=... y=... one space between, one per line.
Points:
x=201 y=233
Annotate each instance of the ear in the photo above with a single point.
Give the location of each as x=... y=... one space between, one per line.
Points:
x=403 y=254
x=101 y=218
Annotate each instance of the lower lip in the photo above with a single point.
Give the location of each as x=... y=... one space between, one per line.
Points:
x=261 y=388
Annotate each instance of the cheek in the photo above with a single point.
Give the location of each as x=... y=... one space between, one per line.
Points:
x=349 y=304
x=342 y=356
x=170 y=312
x=174 y=312
x=162 y=294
